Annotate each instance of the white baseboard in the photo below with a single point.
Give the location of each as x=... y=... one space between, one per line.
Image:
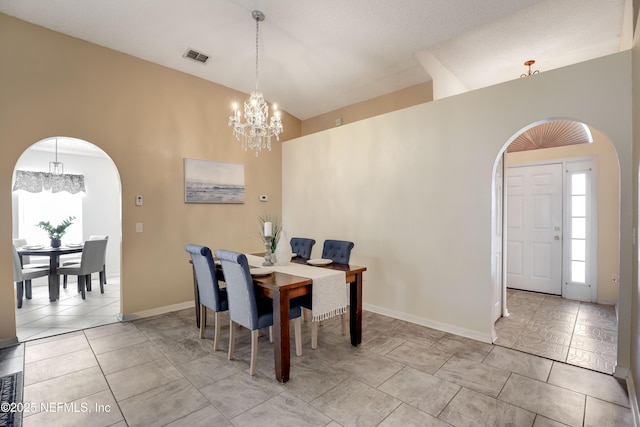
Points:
x=156 y=311
x=9 y=342
x=633 y=400
x=445 y=327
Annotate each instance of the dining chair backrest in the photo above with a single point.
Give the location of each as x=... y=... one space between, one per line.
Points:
x=243 y=307
x=207 y=277
x=339 y=251
x=76 y=259
x=301 y=246
x=93 y=254
x=18 y=243
x=101 y=237
x=17 y=266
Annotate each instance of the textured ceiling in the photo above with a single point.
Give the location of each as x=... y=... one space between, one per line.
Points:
x=317 y=56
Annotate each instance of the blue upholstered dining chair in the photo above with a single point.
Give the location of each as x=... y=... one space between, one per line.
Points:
x=246 y=309
x=340 y=252
x=337 y=250
x=23 y=276
x=92 y=261
x=302 y=247
x=209 y=292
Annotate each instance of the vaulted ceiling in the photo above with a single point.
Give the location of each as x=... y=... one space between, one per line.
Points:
x=317 y=56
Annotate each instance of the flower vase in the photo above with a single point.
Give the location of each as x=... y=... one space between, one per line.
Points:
x=283 y=250
x=55 y=243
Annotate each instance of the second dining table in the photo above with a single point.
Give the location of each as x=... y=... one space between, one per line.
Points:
x=54 y=255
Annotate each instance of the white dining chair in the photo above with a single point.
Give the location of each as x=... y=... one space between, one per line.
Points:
x=23 y=277
x=27 y=260
x=75 y=259
x=92 y=261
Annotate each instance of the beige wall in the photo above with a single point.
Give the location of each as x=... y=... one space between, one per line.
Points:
x=147 y=118
x=413 y=190
x=404 y=98
x=608 y=202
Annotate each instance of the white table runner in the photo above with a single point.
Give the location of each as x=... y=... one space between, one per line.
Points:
x=328 y=293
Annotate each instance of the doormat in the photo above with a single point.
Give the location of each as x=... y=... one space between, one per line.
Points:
x=10 y=394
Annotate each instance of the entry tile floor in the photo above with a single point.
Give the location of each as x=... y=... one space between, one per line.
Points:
x=578 y=333
x=157 y=372
x=39 y=318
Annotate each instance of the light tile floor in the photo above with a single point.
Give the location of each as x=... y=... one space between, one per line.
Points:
x=156 y=371
x=39 y=318
x=578 y=333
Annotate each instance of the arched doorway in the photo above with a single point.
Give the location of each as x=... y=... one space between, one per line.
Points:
x=560 y=323
x=97 y=211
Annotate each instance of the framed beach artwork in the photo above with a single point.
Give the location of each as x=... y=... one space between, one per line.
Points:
x=213 y=182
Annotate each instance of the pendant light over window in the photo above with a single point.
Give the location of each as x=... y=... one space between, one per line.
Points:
x=53 y=181
x=56 y=167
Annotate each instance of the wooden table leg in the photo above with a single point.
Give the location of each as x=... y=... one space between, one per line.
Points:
x=281 y=336
x=54 y=284
x=355 y=310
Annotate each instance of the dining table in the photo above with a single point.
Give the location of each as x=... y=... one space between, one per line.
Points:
x=54 y=255
x=282 y=287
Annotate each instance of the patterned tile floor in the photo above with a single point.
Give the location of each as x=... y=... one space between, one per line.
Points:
x=40 y=318
x=578 y=333
x=156 y=372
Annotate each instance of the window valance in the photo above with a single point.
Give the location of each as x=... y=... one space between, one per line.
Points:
x=37 y=182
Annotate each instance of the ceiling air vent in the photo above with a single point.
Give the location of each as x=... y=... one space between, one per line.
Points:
x=196 y=56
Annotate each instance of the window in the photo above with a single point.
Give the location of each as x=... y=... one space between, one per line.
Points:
x=52 y=207
x=579 y=204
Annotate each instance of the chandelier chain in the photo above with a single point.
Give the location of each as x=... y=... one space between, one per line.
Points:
x=257 y=45
x=56 y=167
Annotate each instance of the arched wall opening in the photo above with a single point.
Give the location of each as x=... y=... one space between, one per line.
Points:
x=606 y=213
x=101 y=210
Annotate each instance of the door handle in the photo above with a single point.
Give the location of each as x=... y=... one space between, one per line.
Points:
x=556 y=237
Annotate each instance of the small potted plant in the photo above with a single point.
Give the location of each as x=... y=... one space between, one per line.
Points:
x=56 y=233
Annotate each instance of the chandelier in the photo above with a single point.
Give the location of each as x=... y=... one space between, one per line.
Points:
x=258 y=129
x=56 y=167
x=529 y=63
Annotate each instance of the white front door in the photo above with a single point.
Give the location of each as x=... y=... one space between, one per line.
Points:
x=534 y=228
